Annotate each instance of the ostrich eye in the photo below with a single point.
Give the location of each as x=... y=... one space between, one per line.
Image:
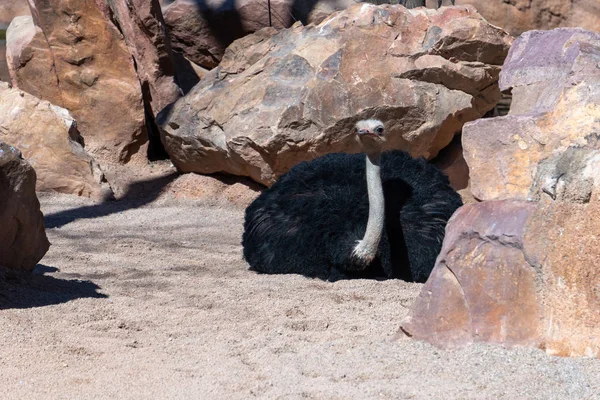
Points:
x=379 y=130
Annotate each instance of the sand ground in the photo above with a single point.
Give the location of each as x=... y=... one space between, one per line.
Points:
x=152 y=300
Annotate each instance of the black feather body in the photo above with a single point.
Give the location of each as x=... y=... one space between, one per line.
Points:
x=309 y=221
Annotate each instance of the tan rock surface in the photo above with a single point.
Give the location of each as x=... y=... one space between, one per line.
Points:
x=555 y=83
x=12 y=8
x=518 y=16
x=22 y=234
x=50 y=141
x=281 y=98
x=26 y=43
x=98 y=83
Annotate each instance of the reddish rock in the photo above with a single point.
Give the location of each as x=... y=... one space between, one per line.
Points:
x=555 y=83
x=515 y=273
x=482 y=289
x=202 y=30
x=98 y=82
x=518 y=16
x=143 y=27
x=51 y=143
x=22 y=231
x=281 y=98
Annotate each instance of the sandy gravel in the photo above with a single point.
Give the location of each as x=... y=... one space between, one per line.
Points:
x=140 y=300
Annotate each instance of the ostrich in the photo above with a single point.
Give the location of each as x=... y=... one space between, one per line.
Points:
x=321 y=220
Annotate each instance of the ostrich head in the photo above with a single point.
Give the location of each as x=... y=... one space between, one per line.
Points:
x=371 y=135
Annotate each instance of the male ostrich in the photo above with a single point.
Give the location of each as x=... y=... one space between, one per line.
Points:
x=339 y=217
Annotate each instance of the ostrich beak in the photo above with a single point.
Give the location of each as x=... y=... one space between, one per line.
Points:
x=366 y=132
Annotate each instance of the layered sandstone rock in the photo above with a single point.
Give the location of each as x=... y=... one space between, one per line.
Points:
x=515 y=273
x=555 y=81
x=96 y=78
x=518 y=16
x=22 y=234
x=51 y=143
x=281 y=98
x=203 y=30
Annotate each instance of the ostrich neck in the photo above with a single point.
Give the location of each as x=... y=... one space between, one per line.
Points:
x=367 y=247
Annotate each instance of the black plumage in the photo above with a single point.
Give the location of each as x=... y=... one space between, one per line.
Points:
x=309 y=221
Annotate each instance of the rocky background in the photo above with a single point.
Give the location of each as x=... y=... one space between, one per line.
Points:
x=97 y=93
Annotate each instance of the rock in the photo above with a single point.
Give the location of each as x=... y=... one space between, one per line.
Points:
x=281 y=98
x=453 y=164
x=4 y=75
x=51 y=143
x=142 y=25
x=239 y=191
x=98 y=82
x=22 y=232
x=26 y=42
x=555 y=81
x=12 y=8
x=515 y=273
x=202 y=30
x=518 y=16
x=481 y=288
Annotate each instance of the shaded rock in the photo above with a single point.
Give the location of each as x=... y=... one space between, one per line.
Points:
x=4 y=75
x=515 y=273
x=142 y=25
x=518 y=16
x=12 y=8
x=281 y=98
x=453 y=164
x=555 y=81
x=22 y=233
x=98 y=82
x=51 y=143
x=203 y=30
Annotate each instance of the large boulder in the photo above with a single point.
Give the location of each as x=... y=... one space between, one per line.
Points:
x=555 y=82
x=202 y=30
x=281 y=98
x=51 y=143
x=518 y=16
x=22 y=232
x=94 y=73
x=142 y=25
x=515 y=273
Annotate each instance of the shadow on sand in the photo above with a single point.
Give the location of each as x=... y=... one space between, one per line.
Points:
x=137 y=194
x=39 y=290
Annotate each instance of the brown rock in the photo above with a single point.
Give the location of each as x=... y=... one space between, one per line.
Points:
x=25 y=43
x=281 y=98
x=555 y=83
x=452 y=163
x=202 y=30
x=518 y=16
x=142 y=25
x=481 y=289
x=22 y=232
x=515 y=273
x=12 y=8
x=50 y=142
x=98 y=83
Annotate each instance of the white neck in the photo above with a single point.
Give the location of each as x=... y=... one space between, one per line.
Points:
x=366 y=249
